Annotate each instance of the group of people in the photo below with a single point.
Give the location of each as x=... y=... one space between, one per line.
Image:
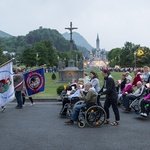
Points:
x=127 y=93
x=89 y=94
x=19 y=88
x=124 y=90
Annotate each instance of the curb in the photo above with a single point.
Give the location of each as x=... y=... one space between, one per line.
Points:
x=48 y=99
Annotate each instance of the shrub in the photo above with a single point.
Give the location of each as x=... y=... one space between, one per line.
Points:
x=60 y=89
x=53 y=76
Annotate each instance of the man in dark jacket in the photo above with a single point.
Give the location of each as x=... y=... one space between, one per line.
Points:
x=111 y=96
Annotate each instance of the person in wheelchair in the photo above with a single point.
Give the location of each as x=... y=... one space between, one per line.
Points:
x=145 y=106
x=89 y=97
x=126 y=90
x=141 y=91
x=70 y=89
x=72 y=98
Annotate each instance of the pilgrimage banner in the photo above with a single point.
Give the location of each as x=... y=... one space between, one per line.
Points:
x=6 y=84
x=34 y=81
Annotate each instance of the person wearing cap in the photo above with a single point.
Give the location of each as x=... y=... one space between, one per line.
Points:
x=18 y=86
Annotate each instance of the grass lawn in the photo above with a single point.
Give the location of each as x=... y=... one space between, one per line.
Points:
x=51 y=85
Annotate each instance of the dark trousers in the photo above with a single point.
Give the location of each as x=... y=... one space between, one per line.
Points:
x=128 y=99
x=65 y=101
x=18 y=96
x=112 y=101
x=30 y=98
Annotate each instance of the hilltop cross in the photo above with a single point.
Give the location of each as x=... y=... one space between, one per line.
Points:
x=71 y=62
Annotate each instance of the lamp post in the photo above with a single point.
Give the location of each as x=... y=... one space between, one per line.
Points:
x=135 y=59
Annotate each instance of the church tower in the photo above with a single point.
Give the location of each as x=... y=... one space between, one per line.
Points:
x=97 y=47
x=97 y=43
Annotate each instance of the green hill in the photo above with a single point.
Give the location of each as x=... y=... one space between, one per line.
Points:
x=19 y=43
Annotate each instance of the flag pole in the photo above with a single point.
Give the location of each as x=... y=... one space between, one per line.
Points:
x=38 y=67
x=7 y=62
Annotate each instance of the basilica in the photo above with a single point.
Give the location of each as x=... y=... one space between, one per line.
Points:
x=98 y=57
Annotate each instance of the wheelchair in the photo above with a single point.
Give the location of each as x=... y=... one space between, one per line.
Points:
x=135 y=105
x=70 y=107
x=92 y=114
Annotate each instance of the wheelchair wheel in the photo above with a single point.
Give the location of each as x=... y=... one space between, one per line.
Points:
x=81 y=124
x=69 y=113
x=95 y=116
x=78 y=103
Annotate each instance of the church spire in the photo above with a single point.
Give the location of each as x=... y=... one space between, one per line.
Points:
x=97 y=42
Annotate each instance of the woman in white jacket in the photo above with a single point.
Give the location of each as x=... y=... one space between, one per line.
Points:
x=95 y=81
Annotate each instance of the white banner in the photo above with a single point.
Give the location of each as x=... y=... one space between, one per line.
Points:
x=6 y=84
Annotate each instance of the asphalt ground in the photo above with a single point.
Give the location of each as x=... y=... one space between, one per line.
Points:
x=40 y=127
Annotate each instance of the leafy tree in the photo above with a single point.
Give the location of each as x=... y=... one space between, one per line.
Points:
x=128 y=56
x=39 y=54
x=28 y=57
x=114 y=57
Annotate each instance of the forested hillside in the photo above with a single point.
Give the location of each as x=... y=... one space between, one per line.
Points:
x=19 y=43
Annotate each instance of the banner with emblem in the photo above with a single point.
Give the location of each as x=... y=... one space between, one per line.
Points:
x=34 y=81
x=6 y=83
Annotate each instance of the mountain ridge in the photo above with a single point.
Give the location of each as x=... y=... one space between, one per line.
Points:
x=4 y=34
x=78 y=39
x=51 y=34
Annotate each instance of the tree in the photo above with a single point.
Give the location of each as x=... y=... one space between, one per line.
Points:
x=39 y=54
x=114 y=57
x=28 y=57
x=52 y=54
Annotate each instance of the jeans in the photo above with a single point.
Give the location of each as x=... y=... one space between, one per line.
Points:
x=18 y=96
x=75 y=114
x=128 y=99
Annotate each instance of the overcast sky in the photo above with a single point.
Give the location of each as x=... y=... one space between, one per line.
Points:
x=116 y=21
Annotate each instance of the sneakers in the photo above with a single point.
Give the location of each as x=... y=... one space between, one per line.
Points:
x=69 y=122
x=3 y=108
x=32 y=104
x=143 y=114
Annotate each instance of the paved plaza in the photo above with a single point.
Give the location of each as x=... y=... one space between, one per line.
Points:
x=39 y=127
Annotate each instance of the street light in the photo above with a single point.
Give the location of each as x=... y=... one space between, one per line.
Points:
x=135 y=59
